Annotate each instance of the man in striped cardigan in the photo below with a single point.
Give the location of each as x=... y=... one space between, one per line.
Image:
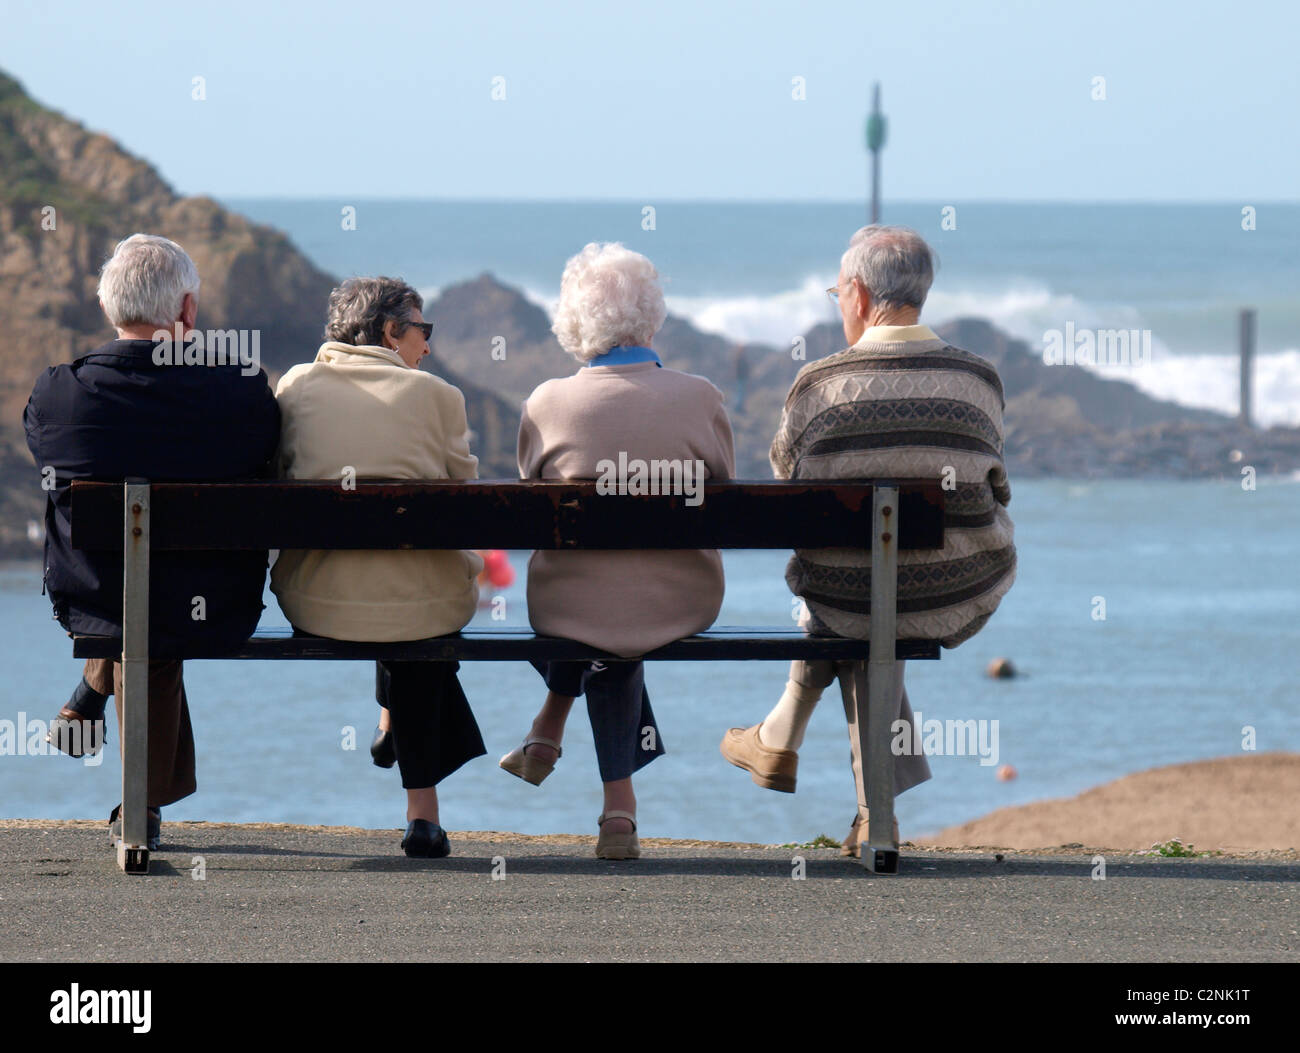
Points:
x=898 y=402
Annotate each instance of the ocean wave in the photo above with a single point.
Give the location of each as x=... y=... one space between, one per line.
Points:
x=775 y=319
x=1212 y=382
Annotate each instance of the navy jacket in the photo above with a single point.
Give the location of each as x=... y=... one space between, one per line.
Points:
x=114 y=413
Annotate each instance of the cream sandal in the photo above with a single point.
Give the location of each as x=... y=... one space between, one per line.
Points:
x=617 y=846
x=531 y=769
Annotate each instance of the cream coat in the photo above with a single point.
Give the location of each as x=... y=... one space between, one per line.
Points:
x=363 y=408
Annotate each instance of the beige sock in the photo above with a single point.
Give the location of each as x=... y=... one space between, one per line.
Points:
x=783 y=728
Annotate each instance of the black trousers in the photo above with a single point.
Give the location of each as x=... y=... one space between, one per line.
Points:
x=434 y=730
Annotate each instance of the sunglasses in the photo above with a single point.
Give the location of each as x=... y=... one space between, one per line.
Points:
x=425 y=327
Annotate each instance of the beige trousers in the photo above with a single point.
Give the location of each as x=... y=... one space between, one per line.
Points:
x=910 y=769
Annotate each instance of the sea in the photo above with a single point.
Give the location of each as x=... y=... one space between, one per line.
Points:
x=1151 y=623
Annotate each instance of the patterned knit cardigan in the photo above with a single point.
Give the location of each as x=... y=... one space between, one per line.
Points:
x=904 y=409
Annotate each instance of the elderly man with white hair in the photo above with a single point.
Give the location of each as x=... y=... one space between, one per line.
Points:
x=127 y=410
x=899 y=402
x=621 y=407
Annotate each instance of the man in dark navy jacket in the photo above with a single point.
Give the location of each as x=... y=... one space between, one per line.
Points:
x=131 y=408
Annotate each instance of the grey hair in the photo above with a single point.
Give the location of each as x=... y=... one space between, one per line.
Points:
x=145 y=282
x=894 y=263
x=609 y=295
x=360 y=307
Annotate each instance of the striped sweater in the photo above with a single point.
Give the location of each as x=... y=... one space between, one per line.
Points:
x=902 y=403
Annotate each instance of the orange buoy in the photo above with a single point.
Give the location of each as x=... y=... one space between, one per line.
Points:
x=1001 y=669
x=496 y=571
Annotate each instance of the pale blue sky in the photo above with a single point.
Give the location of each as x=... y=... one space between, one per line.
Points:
x=682 y=100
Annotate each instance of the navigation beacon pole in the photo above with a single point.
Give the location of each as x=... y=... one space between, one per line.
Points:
x=875 y=140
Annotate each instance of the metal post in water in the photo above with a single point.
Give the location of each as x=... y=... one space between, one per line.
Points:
x=1247 y=342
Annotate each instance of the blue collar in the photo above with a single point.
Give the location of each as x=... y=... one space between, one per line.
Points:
x=624 y=355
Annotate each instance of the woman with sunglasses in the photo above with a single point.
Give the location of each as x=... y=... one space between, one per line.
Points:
x=363 y=409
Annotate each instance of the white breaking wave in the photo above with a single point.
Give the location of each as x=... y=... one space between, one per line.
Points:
x=774 y=320
x=1212 y=382
x=1024 y=311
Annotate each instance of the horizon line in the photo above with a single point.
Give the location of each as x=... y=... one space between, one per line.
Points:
x=639 y=201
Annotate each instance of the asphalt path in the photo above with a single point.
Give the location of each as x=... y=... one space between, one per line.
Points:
x=242 y=893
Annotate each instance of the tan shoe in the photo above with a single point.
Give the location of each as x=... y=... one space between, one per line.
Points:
x=610 y=845
x=530 y=769
x=769 y=768
x=851 y=846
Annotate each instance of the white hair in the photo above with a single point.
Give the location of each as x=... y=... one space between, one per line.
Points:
x=609 y=296
x=894 y=263
x=145 y=281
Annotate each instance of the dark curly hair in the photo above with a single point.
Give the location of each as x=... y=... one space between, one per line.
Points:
x=360 y=307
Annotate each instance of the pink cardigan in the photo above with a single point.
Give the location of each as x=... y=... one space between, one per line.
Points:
x=629 y=601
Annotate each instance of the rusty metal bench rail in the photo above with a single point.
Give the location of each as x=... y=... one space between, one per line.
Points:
x=885 y=516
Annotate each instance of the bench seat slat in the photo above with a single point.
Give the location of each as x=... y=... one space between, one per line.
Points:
x=321 y=514
x=725 y=643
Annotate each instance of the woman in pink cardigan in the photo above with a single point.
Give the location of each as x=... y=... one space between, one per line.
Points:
x=619 y=408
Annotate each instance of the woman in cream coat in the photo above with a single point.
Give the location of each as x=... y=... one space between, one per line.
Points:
x=362 y=410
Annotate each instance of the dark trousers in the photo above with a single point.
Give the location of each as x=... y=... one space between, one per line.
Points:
x=622 y=722
x=434 y=730
x=171 y=738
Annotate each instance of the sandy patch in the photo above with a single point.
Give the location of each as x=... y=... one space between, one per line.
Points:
x=1236 y=805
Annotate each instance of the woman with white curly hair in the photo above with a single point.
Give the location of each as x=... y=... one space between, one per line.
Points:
x=621 y=406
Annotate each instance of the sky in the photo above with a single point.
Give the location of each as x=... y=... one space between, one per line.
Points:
x=682 y=99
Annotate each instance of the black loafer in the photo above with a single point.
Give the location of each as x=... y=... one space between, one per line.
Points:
x=79 y=728
x=425 y=840
x=76 y=735
x=382 y=749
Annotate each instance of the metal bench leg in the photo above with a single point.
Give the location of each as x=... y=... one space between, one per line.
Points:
x=133 y=848
x=879 y=851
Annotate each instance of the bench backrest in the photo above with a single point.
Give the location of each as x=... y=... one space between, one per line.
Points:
x=324 y=514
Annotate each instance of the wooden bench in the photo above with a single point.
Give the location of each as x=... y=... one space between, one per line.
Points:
x=882 y=515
